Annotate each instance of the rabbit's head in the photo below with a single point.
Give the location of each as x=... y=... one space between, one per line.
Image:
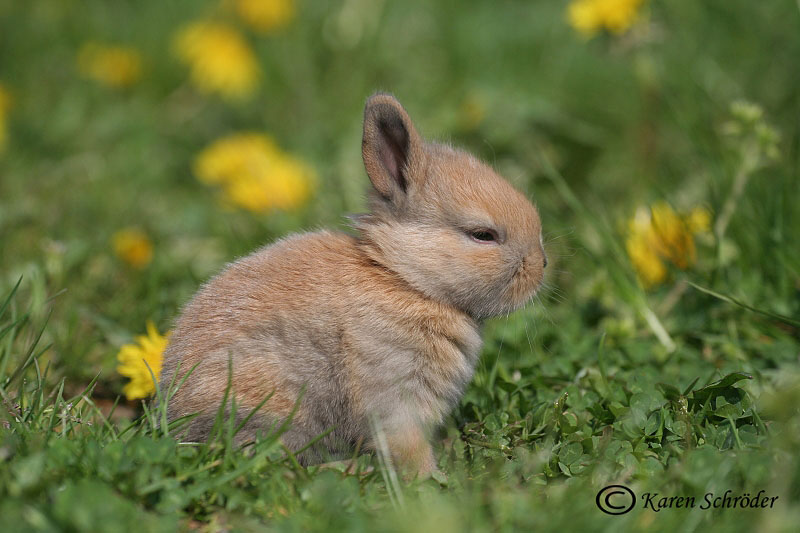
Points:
x=444 y=221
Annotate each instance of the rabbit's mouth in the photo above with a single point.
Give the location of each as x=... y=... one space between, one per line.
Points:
x=527 y=279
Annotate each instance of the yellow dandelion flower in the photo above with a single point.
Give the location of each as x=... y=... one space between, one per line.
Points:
x=220 y=60
x=133 y=246
x=115 y=66
x=265 y=16
x=134 y=360
x=5 y=105
x=472 y=112
x=672 y=237
x=231 y=157
x=584 y=17
x=659 y=235
x=643 y=255
x=591 y=16
x=254 y=173
x=699 y=220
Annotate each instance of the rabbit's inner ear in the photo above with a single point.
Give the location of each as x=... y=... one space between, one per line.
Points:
x=394 y=148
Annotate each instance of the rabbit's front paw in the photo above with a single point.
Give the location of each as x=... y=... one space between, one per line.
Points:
x=412 y=453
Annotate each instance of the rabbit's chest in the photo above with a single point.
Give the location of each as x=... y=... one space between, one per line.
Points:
x=422 y=370
x=444 y=369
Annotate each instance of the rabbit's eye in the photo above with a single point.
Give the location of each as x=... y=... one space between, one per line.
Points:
x=483 y=235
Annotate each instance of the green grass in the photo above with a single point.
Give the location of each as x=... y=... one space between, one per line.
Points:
x=684 y=389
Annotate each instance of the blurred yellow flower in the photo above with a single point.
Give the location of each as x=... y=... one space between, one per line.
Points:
x=5 y=105
x=134 y=360
x=699 y=220
x=265 y=15
x=115 y=66
x=219 y=58
x=133 y=246
x=660 y=234
x=472 y=111
x=591 y=16
x=672 y=237
x=254 y=173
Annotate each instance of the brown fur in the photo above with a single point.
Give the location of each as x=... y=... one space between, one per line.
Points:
x=383 y=326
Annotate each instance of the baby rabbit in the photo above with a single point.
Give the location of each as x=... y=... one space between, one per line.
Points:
x=381 y=329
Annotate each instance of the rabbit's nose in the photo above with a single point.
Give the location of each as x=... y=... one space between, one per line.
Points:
x=544 y=260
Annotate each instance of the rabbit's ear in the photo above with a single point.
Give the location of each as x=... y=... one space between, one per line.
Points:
x=389 y=147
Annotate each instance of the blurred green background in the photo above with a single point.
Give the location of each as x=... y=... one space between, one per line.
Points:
x=106 y=106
